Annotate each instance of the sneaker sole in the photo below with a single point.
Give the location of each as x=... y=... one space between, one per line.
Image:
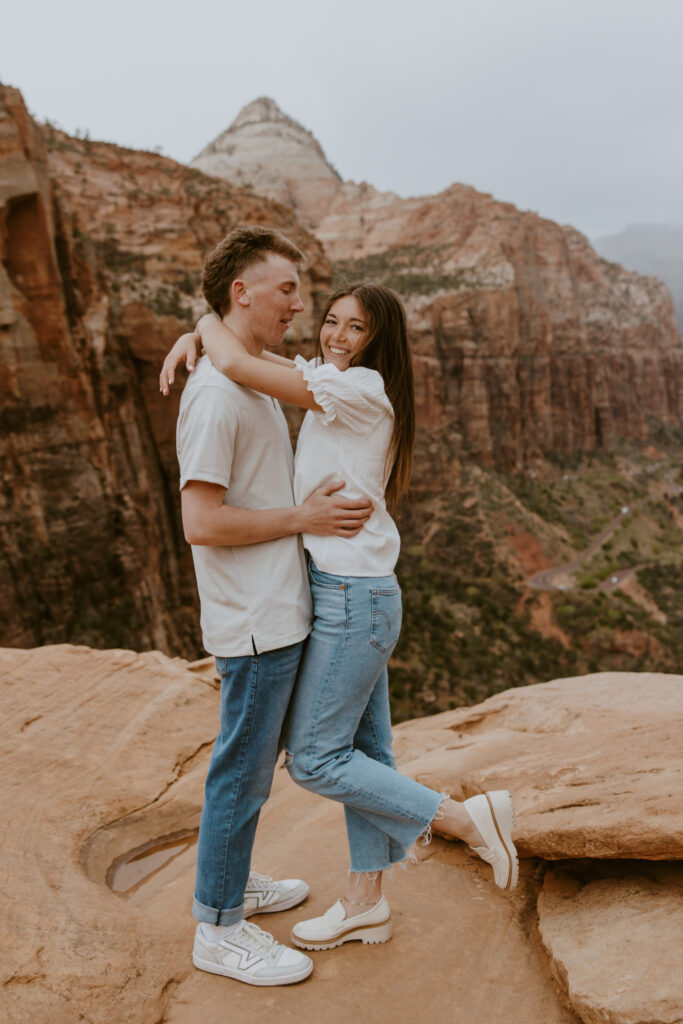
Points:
x=503 y=814
x=274 y=908
x=227 y=972
x=369 y=936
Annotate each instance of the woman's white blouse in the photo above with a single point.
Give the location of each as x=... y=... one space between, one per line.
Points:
x=348 y=441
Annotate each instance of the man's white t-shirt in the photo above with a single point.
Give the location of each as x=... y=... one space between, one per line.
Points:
x=348 y=441
x=255 y=597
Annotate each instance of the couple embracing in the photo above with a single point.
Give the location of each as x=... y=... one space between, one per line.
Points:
x=302 y=640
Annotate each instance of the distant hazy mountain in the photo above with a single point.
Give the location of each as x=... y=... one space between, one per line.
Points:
x=650 y=249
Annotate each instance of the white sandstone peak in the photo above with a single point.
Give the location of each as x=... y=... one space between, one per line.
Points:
x=269 y=151
x=263 y=110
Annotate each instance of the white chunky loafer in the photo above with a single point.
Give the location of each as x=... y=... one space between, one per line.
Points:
x=334 y=927
x=494 y=816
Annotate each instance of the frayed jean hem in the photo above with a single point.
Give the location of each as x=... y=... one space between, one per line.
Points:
x=424 y=834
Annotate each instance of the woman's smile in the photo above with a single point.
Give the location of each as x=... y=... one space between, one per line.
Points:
x=345 y=332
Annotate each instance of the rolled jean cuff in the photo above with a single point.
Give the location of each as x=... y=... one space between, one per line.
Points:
x=210 y=915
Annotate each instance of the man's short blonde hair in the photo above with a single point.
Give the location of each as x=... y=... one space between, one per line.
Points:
x=239 y=250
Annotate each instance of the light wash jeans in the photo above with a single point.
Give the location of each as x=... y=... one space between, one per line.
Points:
x=255 y=693
x=338 y=731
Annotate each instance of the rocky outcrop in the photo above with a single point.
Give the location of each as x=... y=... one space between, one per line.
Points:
x=105 y=758
x=577 y=795
x=100 y=252
x=615 y=942
x=78 y=949
x=527 y=344
x=268 y=151
x=655 y=249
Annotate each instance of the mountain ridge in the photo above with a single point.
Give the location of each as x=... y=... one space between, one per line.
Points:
x=653 y=249
x=274 y=154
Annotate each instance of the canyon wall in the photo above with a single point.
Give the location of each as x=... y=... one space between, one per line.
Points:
x=527 y=346
x=100 y=252
x=526 y=342
x=650 y=249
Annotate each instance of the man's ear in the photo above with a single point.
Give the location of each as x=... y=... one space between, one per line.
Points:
x=240 y=292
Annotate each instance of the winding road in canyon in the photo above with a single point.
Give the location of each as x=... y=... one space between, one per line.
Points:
x=560 y=576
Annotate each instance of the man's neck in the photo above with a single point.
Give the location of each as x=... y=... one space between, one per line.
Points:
x=241 y=330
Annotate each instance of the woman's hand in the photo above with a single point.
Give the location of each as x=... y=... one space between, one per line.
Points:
x=187 y=347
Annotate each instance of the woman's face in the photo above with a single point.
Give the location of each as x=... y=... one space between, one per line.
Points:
x=345 y=332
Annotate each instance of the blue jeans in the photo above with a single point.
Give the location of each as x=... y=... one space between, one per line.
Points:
x=255 y=693
x=338 y=733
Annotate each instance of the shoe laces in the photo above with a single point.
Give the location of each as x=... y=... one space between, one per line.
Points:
x=254 y=938
x=257 y=881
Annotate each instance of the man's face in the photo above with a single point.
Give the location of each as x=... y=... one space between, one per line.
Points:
x=271 y=289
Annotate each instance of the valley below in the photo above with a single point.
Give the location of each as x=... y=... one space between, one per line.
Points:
x=514 y=579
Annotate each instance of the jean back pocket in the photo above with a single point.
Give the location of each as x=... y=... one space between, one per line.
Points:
x=386 y=618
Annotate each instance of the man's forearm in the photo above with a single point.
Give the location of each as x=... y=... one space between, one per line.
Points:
x=273 y=357
x=209 y=522
x=225 y=526
x=275 y=377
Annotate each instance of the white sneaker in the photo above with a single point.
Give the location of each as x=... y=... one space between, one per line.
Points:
x=494 y=816
x=252 y=955
x=263 y=895
x=335 y=928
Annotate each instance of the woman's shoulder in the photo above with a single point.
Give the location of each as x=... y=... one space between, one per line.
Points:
x=354 y=397
x=356 y=377
x=363 y=376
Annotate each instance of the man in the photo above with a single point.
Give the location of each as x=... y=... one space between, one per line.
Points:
x=238 y=514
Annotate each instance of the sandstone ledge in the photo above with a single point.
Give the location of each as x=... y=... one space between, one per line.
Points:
x=593 y=763
x=107 y=750
x=616 y=942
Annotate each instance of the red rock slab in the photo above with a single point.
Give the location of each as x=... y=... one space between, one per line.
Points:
x=594 y=763
x=106 y=751
x=616 y=943
x=461 y=950
x=90 y=739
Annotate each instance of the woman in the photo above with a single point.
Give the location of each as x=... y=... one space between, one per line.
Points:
x=359 y=427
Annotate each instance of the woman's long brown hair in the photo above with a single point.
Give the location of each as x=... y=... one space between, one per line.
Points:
x=387 y=352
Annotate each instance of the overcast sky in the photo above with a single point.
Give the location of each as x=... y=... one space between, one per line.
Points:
x=572 y=108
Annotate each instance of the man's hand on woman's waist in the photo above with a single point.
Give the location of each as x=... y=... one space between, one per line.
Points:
x=325 y=513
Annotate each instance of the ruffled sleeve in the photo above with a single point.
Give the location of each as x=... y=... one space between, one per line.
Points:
x=353 y=397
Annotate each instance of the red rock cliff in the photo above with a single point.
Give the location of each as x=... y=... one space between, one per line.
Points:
x=100 y=250
x=526 y=341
